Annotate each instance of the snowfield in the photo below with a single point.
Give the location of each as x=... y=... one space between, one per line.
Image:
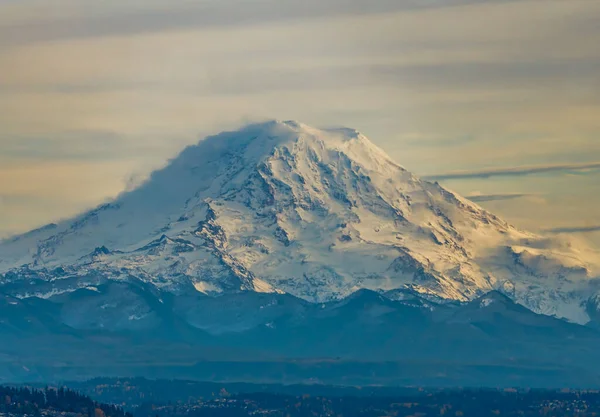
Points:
x=281 y=207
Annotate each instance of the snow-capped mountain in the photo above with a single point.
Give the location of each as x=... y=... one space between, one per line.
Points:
x=281 y=207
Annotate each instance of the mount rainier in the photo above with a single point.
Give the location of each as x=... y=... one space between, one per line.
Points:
x=284 y=208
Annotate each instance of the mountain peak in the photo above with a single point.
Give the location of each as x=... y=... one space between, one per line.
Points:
x=259 y=139
x=276 y=126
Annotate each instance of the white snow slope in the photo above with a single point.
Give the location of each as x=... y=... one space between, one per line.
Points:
x=284 y=207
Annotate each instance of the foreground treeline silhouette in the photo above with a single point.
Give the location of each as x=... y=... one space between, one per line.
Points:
x=26 y=401
x=455 y=403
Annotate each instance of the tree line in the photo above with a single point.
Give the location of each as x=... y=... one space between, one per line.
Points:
x=24 y=400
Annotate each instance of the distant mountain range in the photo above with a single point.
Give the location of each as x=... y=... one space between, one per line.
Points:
x=281 y=241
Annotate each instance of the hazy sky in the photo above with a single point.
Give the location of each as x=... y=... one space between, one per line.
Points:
x=499 y=100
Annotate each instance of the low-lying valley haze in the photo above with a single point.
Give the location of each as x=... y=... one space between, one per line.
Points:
x=294 y=208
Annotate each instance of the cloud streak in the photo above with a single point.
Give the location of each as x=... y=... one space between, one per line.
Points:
x=582 y=229
x=160 y=15
x=88 y=145
x=513 y=171
x=495 y=197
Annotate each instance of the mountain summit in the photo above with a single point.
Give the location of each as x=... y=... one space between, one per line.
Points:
x=281 y=207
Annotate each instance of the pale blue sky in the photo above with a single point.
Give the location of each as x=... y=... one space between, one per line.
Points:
x=93 y=95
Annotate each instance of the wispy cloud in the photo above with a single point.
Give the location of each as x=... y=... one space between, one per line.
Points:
x=130 y=18
x=513 y=171
x=436 y=141
x=582 y=229
x=88 y=145
x=481 y=198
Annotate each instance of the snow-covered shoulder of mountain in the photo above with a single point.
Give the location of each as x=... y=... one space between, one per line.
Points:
x=316 y=213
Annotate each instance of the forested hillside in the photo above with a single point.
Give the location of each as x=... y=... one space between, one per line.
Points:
x=53 y=402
